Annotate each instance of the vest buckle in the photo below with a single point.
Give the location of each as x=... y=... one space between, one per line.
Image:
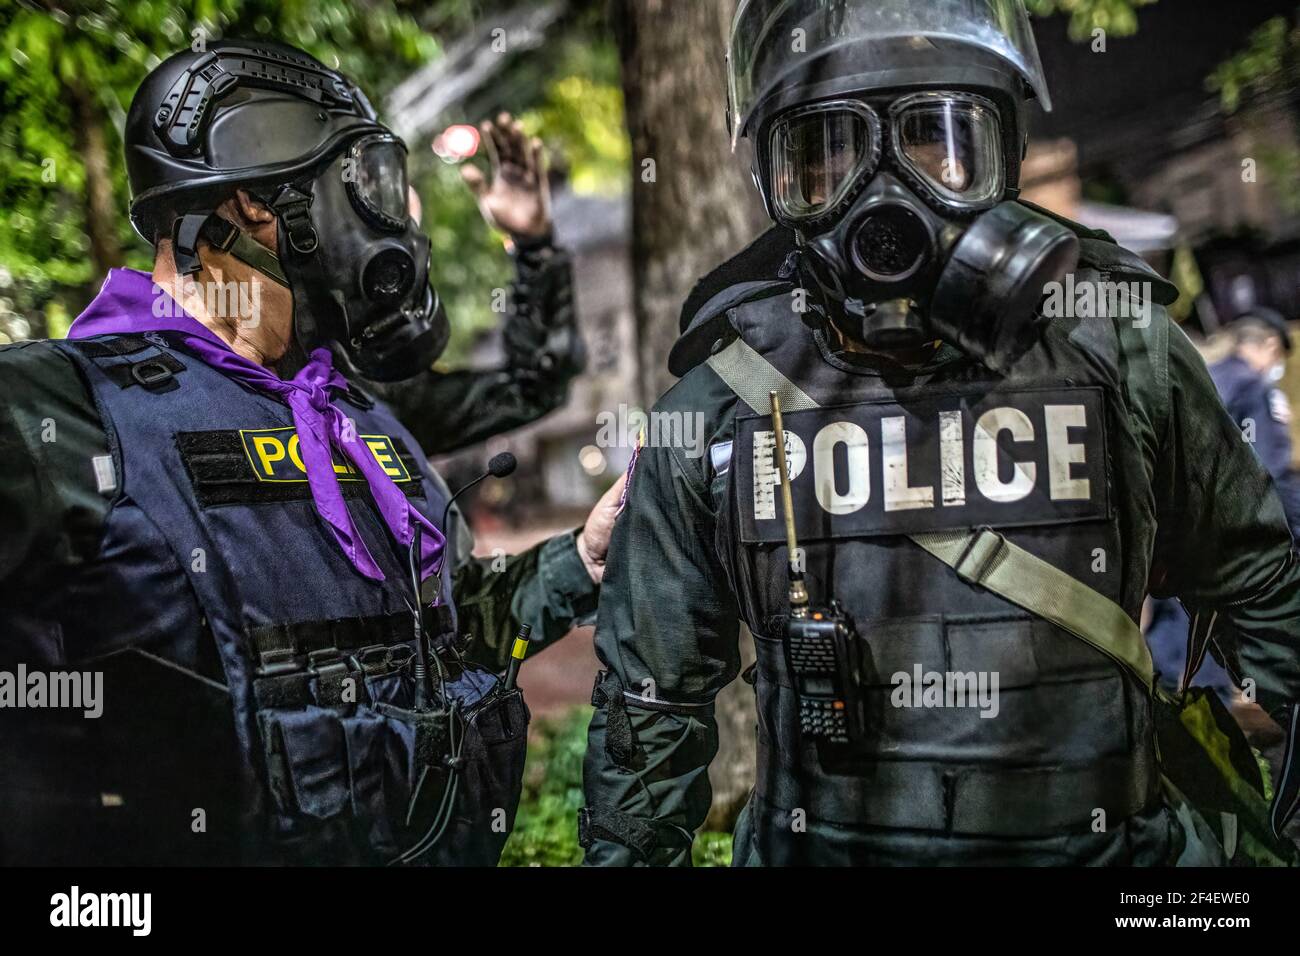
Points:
x=273 y=663
x=152 y=374
x=979 y=556
x=326 y=661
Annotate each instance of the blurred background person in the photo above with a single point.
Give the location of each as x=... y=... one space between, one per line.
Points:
x=1248 y=380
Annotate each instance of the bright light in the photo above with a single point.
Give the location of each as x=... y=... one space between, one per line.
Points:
x=592 y=460
x=456 y=143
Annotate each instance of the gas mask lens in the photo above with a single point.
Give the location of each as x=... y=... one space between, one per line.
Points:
x=953 y=145
x=818 y=155
x=378 y=186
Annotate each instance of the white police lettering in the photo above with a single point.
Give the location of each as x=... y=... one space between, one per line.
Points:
x=899 y=496
x=854 y=439
x=1023 y=458
x=952 y=459
x=765 y=473
x=1062 y=453
x=988 y=462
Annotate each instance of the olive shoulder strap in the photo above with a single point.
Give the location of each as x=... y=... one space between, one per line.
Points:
x=982 y=556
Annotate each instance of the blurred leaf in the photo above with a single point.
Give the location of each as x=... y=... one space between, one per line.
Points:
x=1117 y=17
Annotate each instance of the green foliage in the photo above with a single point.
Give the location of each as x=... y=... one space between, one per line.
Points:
x=67 y=51
x=1269 y=63
x=581 y=119
x=1117 y=17
x=546 y=826
x=712 y=849
x=1267 y=68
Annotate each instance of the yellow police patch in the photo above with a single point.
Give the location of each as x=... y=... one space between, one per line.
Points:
x=274 y=455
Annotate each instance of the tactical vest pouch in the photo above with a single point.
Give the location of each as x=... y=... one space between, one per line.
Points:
x=305 y=776
x=491 y=769
x=340 y=767
x=334 y=760
x=349 y=763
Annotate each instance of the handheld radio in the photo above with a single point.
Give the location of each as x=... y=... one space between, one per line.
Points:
x=822 y=647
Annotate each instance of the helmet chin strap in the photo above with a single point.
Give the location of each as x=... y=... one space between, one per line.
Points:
x=225 y=236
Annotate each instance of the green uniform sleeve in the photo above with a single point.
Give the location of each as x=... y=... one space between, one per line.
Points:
x=52 y=444
x=667 y=632
x=547 y=587
x=1223 y=544
x=448 y=411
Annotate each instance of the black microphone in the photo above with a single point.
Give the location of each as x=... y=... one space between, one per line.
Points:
x=500 y=466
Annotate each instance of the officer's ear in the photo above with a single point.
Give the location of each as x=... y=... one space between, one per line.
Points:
x=252 y=216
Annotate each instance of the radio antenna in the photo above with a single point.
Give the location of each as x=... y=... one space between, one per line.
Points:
x=798 y=592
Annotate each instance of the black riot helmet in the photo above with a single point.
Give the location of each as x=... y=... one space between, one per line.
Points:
x=304 y=140
x=785 y=53
x=888 y=135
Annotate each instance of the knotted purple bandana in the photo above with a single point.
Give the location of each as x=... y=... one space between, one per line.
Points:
x=126 y=305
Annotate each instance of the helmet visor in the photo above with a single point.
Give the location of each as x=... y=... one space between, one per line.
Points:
x=378 y=182
x=817 y=155
x=952 y=144
x=776 y=43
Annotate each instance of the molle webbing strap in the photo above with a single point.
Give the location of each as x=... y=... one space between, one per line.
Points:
x=981 y=557
x=995 y=802
x=155 y=372
x=110 y=347
x=305 y=638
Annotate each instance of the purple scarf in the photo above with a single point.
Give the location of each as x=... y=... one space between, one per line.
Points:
x=128 y=304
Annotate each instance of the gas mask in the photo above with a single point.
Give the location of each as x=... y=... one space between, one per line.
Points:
x=350 y=253
x=358 y=265
x=901 y=211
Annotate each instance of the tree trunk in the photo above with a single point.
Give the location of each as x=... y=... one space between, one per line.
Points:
x=692 y=202
x=100 y=210
x=693 y=207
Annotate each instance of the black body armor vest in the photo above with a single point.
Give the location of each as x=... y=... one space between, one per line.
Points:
x=990 y=735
